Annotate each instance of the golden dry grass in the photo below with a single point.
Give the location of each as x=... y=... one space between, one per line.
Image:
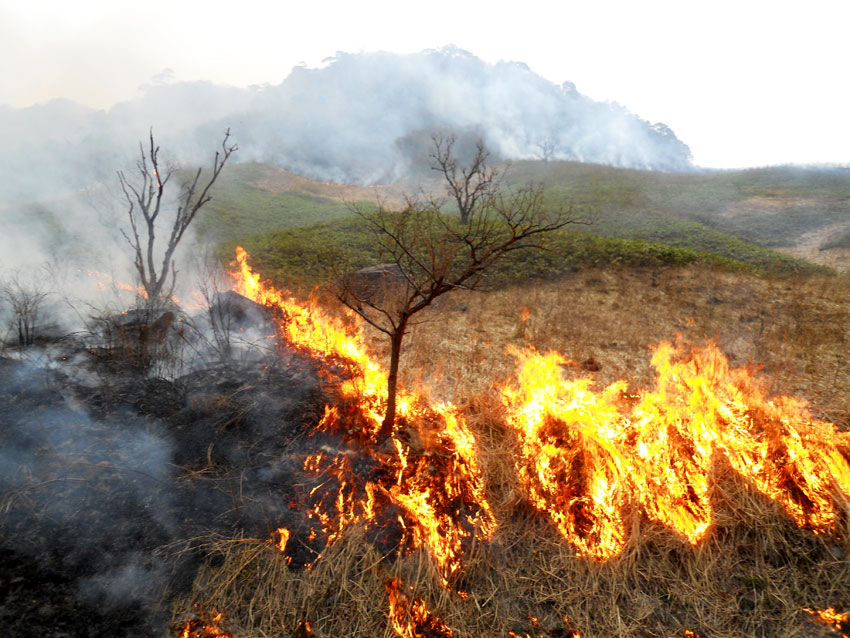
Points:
x=751 y=577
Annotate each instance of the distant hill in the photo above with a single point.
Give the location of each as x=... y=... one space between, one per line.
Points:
x=784 y=208
x=361 y=118
x=757 y=220
x=802 y=211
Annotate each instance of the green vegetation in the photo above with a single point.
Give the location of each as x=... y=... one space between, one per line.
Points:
x=298 y=257
x=639 y=218
x=770 y=207
x=241 y=206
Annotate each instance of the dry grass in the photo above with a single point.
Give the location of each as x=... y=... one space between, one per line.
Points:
x=751 y=577
x=798 y=330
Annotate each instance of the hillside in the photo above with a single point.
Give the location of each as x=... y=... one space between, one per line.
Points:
x=222 y=462
x=801 y=211
x=754 y=574
x=741 y=217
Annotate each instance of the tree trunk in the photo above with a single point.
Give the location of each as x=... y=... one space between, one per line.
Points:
x=392 y=381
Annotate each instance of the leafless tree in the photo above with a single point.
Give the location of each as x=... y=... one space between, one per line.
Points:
x=25 y=300
x=548 y=147
x=429 y=254
x=472 y=184
x=147 y=199
x=212 y=284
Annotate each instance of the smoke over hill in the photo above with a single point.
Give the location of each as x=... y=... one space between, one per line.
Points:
x=361 y=118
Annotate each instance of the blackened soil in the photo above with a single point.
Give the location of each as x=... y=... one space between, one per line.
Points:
x=106 y=487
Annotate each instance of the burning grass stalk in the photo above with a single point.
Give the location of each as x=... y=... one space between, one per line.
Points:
x=749 y=573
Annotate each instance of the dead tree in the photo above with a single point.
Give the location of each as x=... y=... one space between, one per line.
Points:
x=548 y=147
x=429 y=254
x=471 y=185
x=147 y=201
x=25 y=301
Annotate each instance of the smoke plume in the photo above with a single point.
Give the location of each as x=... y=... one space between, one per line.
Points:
x=356 y=119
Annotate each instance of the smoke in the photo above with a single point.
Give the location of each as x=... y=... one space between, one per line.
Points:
x=101 y=504
x=341 y=122
x=365 y=118
x=83 y=496
x=344 y=122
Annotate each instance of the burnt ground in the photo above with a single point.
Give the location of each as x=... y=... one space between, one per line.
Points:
x=110 y=484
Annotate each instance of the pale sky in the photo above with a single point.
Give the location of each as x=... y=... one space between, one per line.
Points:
x=742 y=82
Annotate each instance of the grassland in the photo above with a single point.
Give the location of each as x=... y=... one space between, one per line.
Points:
x=770 y=207
x=666 y=254
x=731 y=219
x=302 y=257
x=753 y=575
x=243 y=206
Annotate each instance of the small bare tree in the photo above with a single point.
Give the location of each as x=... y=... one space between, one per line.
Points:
x=470 y=185
x=548 y=147
x=429 y=254
x=146 y=201
x=25 y=300
x=213 y=282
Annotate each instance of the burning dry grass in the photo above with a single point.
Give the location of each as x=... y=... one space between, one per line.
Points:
x=754 y=574
x=747 y=580
x=797 y=330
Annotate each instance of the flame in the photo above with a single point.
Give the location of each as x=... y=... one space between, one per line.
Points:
x=283 y=538
x=427 y=478
x=410 y=617
x=281 y=541
x=586 y=458
x=103 y=280
x=206 y=626
x=831 y=618
x=592 y=460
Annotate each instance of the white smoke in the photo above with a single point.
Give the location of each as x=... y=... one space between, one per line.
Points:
x=340 y=122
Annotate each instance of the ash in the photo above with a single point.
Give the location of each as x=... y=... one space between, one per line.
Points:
x=109 y=488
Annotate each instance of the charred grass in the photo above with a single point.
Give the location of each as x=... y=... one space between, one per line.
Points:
x=752 y=576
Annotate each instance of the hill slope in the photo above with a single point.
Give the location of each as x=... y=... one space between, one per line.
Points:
x=736 y=216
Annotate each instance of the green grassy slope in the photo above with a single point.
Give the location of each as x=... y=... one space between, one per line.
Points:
x=242 y=206
x=770 y=207
x=638 y=218
x=300 y=257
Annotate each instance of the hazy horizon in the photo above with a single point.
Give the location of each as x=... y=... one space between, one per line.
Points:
x=743 y=85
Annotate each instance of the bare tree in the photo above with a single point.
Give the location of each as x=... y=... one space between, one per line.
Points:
x=470 y=185
x=146 y=201
x=213 y=282
x=548 y=147
x=430 y=254
x=25 y=300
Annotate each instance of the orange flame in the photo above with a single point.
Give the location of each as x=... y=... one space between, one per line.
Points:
x=102 y=280
x=283 y=538
x=410 y=617
x=206 y=626
x=586 y=457
x=436 y=489
x=831 y=618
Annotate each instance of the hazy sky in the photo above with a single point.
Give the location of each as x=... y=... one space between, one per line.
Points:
x=743 y=82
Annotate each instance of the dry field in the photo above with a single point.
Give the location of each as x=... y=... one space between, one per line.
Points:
x=753 y=575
